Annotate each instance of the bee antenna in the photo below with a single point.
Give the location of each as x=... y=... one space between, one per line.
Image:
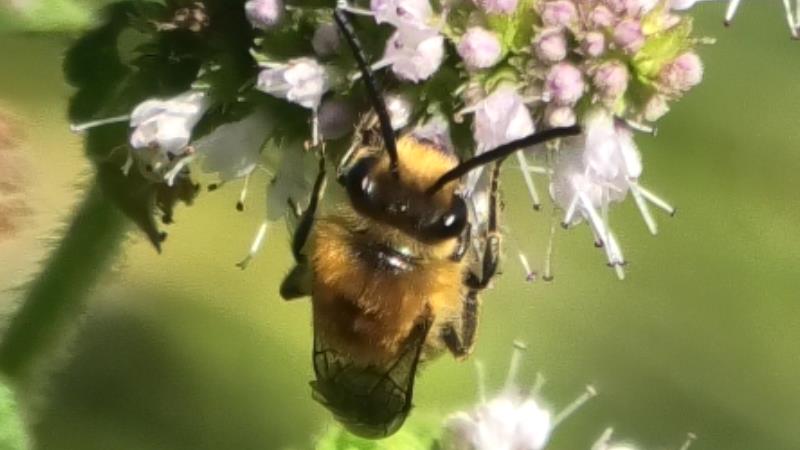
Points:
x=501 y=152
x=373 y=88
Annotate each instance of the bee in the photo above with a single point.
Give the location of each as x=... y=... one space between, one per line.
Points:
x=392 y=273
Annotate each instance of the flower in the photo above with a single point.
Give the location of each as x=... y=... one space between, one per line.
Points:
x=683 y=73
x=302 y=81
x=166 y=125
x=628 y=35
x=564 y=84
x=479 y=48
x=559 y=13
x=326 y=40
x=399 y=107
x=550 y=45
x=594 y=44
x=264 y=14
x=513 y=420
x=598 y=169
x=655 y=108
x=413 y=56
x=501 y=118
x=497 y=6
x=601 y=17
x=414 y=14
x=611 y=80
x=233 y=150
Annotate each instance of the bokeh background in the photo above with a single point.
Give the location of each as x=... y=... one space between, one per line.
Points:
x=182 y=350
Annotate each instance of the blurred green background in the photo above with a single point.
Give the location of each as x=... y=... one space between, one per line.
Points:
x=183 y=350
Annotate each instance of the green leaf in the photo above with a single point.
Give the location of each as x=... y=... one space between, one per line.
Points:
x=12 y=430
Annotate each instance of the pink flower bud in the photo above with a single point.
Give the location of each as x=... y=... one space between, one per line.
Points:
x=479 y=48
x=611 y=80
x=601 y=17
x=685 y=72
x=628 y=35
x=560 y=116
x=655 y=108
x=559 y=13
x=564 y=84
x=594 y=44
x=551 y=45
x=497 y=6
x=326 y=40
x=264 y=14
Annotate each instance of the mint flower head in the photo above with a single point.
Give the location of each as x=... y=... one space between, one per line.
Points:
x=166 y=125
x=413 y=55
x=515 y=419
x=302 y=81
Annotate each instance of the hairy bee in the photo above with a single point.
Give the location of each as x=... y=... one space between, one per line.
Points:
x=391 y=274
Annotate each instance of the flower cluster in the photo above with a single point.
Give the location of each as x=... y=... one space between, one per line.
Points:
x=489 y=71
x=518 y=419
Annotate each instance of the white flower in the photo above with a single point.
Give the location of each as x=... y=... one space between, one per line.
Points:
x=233 y=149
x=598 y=169
x=513 y=420
x=415 y=14
x=413 y=55
x=479 y=48
x=399 y=107
x=501 y=118
x=166 y=125
x=264 y=14
x=303 y=81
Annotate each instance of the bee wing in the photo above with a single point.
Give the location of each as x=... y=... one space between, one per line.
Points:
x=371 y=401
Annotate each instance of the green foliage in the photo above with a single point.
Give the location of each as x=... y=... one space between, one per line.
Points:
x=12 y=430
x=413 y=436
x=45 y=16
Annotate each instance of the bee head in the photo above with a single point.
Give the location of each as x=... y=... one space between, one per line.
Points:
x=402 y=201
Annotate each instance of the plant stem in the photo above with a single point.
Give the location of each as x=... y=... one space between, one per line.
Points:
x=59 y=291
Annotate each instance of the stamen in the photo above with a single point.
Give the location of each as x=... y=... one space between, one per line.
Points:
x=615 y=257
x=548 y=259
x=656 y=200
x=243 y=193
x=573 y=206
x=523 y=164
x=96 y=123
x=538 y=383
x=530 y=275
x=314 y=128
x=255 y=246
x=184 y=161
x=602 y=442
x=733 y=5
x=641 y=203
x=126 y=168
x=480 y=375
x=594 y=218
x=689 y=439
x=539 y=170
x=574 y=406
x=513 y=366
x=344 y=6
x=641 y=127
x=790 y=18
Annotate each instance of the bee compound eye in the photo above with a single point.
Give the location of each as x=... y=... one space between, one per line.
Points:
x=360 y=186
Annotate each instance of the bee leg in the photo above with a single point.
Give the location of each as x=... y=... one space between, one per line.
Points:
x=307 y=217
x=461 y=344
x=298 y=282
